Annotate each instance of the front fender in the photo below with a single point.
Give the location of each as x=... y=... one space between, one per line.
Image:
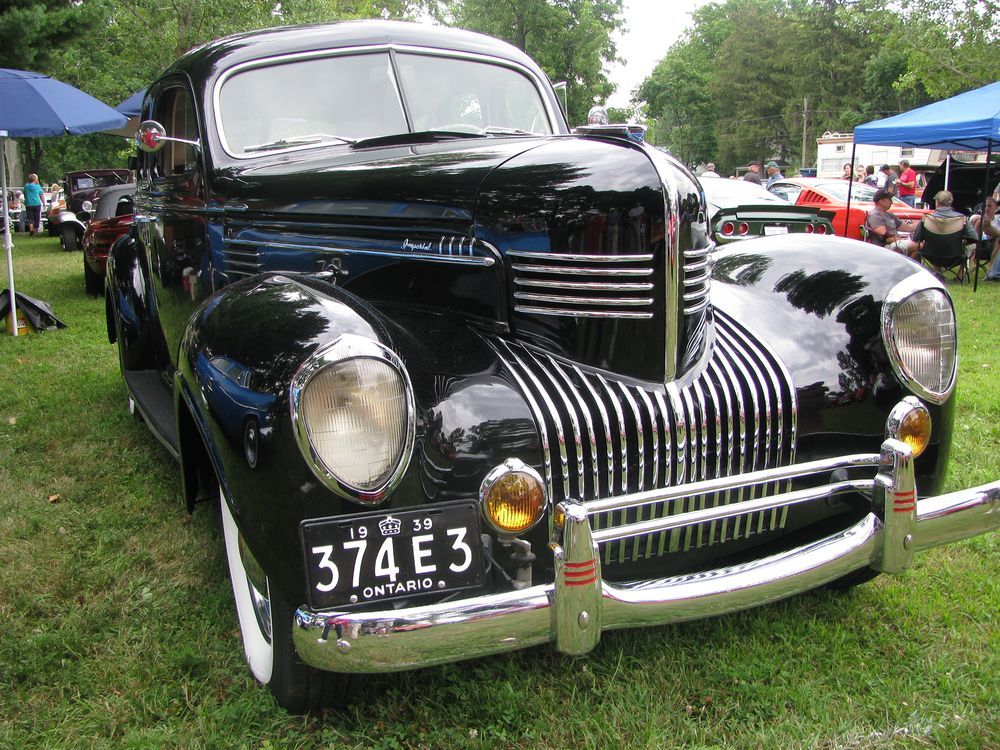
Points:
x=129 y=305
x=239 y=353
x=68 y=218
x=817 y=302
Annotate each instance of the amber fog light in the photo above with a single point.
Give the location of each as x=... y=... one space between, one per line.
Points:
x=910 y=422
x=512 y=497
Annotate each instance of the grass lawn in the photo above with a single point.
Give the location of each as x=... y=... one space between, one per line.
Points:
x=118 y=628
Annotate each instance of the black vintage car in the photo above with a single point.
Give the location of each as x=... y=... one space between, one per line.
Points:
x=466 y=381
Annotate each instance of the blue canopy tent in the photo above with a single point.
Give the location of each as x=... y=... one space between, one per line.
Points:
x=969 y=121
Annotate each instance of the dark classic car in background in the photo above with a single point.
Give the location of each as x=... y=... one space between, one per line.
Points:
x=740 y=210
x=465 y=381
x=83 y=188
x=112 y=218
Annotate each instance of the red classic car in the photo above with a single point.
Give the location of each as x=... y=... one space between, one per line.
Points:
x=112 y=219
x=831 y=195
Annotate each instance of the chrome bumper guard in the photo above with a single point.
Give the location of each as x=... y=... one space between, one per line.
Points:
x=574 y=610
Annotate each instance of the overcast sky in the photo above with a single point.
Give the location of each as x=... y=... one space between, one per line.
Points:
x=651 y=27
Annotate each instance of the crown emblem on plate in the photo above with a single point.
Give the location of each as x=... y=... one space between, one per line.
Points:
x=389 y=526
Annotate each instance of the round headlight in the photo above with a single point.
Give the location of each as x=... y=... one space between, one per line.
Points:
x=352 y=407
x=921 y=338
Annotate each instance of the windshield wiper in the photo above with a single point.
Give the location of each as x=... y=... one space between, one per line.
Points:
x=421 y=136
x=304 y=140
x=499 y=130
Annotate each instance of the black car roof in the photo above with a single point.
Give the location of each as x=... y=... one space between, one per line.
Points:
x=231 y=50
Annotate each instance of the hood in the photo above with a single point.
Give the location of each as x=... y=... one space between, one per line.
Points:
x=395 y=185
x=562 y=241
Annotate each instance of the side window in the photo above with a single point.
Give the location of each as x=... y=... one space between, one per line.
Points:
x=175 y=111
x=789 y=192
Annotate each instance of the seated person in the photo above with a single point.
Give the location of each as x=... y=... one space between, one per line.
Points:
x=987 y=227
x=884 y=227
x=943 y=212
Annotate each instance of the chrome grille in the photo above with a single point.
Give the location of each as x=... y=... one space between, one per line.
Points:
x=697 y=279
x=242 y=261
x=583 y=286
x=602 y=437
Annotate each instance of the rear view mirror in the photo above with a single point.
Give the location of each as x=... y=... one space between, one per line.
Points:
x=152 y=136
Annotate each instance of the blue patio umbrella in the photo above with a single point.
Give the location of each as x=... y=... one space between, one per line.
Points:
x=131 y=106
x=34 y=105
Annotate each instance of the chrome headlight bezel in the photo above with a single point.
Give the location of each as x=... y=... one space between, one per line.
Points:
x=900 y=294
x=347 y=347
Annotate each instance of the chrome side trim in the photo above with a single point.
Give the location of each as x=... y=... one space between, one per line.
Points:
x=582 y=271
x=601 y=301
x=461 y=260
x=582 y=313
x=596 y=258
x=591 y=286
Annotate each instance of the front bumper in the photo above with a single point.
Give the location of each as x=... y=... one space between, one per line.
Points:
x=574 y=610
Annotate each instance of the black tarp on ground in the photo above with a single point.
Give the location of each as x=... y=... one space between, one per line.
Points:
x=38 y=313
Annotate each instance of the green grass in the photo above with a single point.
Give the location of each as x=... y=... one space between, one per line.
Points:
x=118 y=628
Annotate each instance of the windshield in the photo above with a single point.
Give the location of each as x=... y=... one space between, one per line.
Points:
x=92 y=181
x=345 y=98
x=859 y=191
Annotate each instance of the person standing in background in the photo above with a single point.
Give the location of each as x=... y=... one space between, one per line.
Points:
x=907 y=184
x=33 y=204
x=773 y=173
x=889 y=183
x=754 y=174
x=710 y=170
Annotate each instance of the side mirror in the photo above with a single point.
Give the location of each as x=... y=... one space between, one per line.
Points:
x=152 y=136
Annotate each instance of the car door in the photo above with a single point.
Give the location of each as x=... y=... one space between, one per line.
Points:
x=171 y=212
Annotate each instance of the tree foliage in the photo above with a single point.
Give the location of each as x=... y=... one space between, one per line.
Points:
x=739 y=84
x=112 y=48
x=571 y=40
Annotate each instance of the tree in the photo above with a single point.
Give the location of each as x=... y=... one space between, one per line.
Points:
x=138 y=39
x=31 y=33
x=950 y=45
x=734 y=89
x=570 y=39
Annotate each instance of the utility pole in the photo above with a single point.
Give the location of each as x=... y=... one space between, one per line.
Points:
x=805 y=124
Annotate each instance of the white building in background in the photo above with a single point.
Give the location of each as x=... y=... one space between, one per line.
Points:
x=833 y=151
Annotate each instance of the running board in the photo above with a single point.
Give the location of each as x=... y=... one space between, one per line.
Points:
x=155 y=402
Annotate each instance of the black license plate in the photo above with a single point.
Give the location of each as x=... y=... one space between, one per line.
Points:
x=373 y=557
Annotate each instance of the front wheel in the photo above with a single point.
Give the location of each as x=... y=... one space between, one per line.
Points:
x=69 y=243
x=265 y=617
